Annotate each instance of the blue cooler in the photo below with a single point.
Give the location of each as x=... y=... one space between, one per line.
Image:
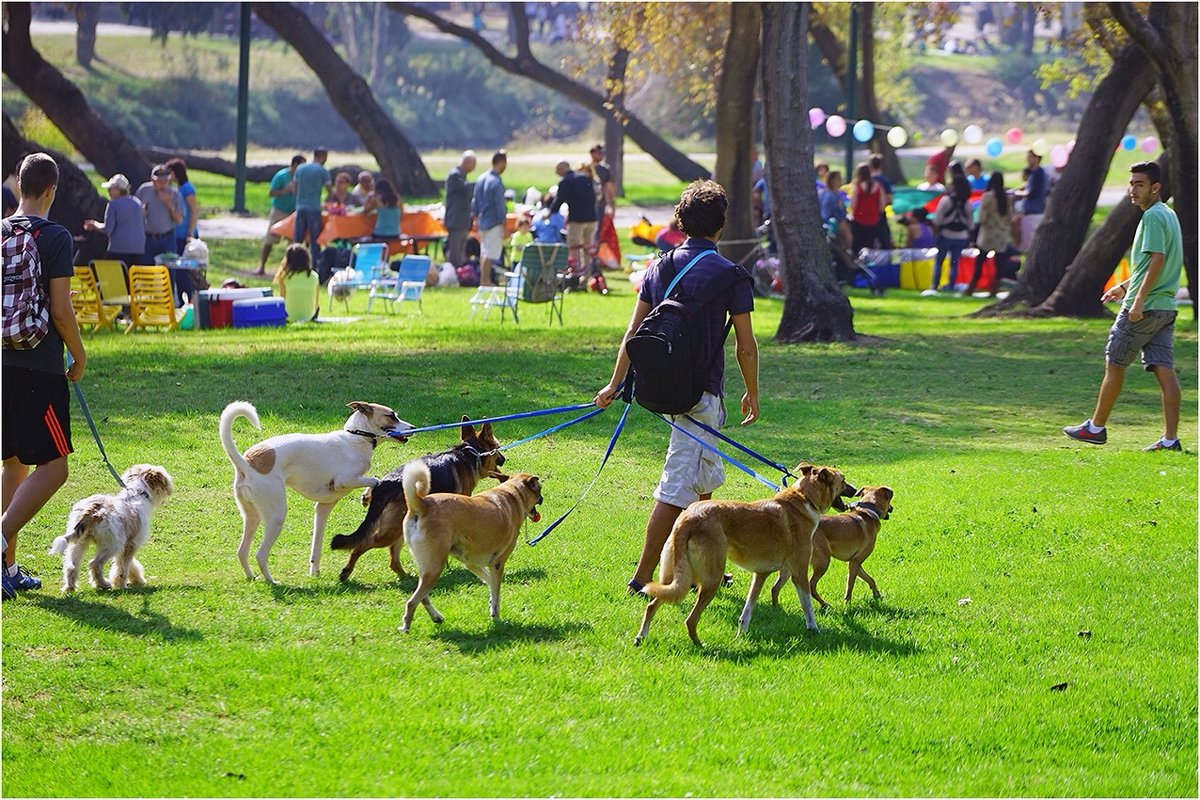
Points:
x=259 y=312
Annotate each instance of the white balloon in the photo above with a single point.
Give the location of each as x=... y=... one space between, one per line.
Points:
x=973 y=134
x=949 y=137
x=897 y=136
x=1040 y=147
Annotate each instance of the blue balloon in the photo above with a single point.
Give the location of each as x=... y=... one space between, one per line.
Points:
x=1129 y=143
x=994 y=147
x=863 y=130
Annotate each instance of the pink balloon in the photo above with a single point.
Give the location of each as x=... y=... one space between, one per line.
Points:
x=815 y=117
x=1070 y=146
x=835 y=126
x=1149 y=145
x=1059 y=156
x=1013 y=135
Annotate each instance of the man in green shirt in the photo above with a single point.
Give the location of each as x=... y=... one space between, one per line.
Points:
x=283 y=205
x=1146 y=321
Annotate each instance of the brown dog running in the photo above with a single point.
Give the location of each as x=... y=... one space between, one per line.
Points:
x=479 y=531
x=761 y=536
x=456 y=470
x=846 y=537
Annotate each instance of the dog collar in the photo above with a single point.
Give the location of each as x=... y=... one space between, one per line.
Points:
x=136 y=492
x=868 y=509
x=372 y=436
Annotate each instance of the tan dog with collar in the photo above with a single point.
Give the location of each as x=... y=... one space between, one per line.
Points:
x=323 y=467
x=846 y=537
x=760 y=536
x=479 y=531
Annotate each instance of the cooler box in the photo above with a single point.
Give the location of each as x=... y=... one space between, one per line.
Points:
x=884 y=264
x=916 y=268
x=966 y=268
x=259 y=312
x=214 y=307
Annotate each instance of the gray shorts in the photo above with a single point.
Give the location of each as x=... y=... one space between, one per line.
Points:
x=690 y=469
x=1153 y=335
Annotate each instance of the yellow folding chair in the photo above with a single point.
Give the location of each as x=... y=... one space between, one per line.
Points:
x=110 y=280
x=151 y=302
x=85 y=299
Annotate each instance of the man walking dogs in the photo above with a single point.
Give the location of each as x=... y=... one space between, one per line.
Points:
x=1146 y=321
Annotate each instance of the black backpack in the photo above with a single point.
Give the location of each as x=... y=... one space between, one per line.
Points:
x=960 y=217
x=668 y=352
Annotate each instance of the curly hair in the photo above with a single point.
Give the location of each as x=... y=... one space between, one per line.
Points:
x=701 y=209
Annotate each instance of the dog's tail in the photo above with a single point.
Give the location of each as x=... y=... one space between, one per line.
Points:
x=675 y=574
x=79 y=523
x=416 y=486
x=381 y=495
x=232 y=411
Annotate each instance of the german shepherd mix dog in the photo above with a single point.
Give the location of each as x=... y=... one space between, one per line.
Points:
x=323 y=467
x=846 y=537
x=456 y=471
x=479 y=531
x=761 y=536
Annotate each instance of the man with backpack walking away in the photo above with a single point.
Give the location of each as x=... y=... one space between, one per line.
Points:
x=682 y=310
x=38 y=321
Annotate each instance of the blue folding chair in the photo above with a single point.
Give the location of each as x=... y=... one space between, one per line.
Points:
x=407 y=284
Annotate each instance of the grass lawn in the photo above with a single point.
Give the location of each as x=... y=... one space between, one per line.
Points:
x=1037 y=636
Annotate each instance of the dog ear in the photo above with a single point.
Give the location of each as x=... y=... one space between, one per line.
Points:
x=360 y=406
x=486 y=431
x=861 y=492
x=804 y=469
x=468 y=431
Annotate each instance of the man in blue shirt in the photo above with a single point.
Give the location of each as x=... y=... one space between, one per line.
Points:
x=1034 y=195
x=488 y=208
x=311 y=179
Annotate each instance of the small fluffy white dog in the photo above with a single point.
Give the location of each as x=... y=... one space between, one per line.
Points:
x=323 y=467
x=118 y=525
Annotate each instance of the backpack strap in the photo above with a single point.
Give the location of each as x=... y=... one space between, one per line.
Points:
x=670 y=258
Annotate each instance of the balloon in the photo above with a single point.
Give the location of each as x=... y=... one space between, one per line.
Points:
x=994 y=147
x=815 y=117
x=1070 y=146
x=1013 y=135
x=897 y=137
x=1040 y=147
x=1149 y=144
x=1059 y=156
x=863 y=130
x=949 y=137
x=1129 y=143
x=835 y=126
x=973 y=134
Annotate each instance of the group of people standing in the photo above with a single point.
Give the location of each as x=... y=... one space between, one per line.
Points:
x=157 y=218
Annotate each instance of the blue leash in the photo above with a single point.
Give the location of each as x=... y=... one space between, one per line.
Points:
x=523 y=415
x=787 y=473
x=87 y=415
x=730 y=459
x=554 y=429
x=611 y=444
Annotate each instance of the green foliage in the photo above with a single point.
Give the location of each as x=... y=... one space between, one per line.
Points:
x=1014 y=562
x=34 y=124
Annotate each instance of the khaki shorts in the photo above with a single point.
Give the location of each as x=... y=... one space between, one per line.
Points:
x=692 y=470
x=581 y=234
x=276 y=216
x=491 y=243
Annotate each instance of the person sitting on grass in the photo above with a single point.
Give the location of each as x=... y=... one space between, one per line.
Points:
x=298 y=285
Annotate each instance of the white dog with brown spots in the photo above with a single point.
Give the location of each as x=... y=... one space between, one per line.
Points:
x=322 y=467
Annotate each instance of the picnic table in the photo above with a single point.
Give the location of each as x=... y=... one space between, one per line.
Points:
x=418 y=230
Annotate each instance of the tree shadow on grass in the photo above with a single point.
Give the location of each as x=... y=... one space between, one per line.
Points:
x=505 y=634
x=95 y=614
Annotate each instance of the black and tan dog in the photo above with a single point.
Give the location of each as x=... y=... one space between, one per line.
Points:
x=456 y=470
x=479 y=531
x=761 y=536
x=846 y=537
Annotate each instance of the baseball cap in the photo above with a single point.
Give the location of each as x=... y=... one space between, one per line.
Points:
x=117 y=181
x=160 y=171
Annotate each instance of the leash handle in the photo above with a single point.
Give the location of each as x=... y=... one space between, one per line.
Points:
x=87 y=415
x=611 y=444
x=775 y=487
x=505 y=418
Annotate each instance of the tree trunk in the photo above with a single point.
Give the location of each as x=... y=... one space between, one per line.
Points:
x=814 y=309
x=64 y=105
x=348 y=92
x=614 y=132
x=1168 y=37
x=1065 y=224
x=87 y=15
x=834 y=52
x=735 y=125
x=76 y=200
x=1029 y=12
x=1078 y=293
x=214 y=164
x=525 y=65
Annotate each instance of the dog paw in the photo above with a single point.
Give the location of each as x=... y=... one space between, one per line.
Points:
x=403 y=629
x=637 y=641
